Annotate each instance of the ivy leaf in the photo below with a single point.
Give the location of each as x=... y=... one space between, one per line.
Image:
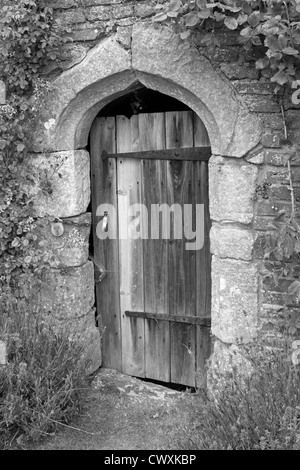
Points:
x=246 y=31
x=282 y=41
x=246 y=7
x=191 y=19
x=280 y=77
x=185 y=34
x=20 y=147
x=160 y=17
x=290 y=51
x=231 y=22
x=15 y=242
x=242 y=18
x=204 y=14
x=256 y=40
x=219 y=16
x=174 y=5
x=272 y=43
x=254 y=19
x=172 y=14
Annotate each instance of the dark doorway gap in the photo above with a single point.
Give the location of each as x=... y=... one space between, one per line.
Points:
x=172 y=386
x=142 y=100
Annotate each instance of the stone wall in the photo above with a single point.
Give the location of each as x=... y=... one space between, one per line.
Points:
x=112 y=45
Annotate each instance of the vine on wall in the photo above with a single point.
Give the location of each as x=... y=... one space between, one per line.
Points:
x=271 y=27
x=30 y=38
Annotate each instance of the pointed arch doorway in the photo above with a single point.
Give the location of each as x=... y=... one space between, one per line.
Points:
x=153 y=295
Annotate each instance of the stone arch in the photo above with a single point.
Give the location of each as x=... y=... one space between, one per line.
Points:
x=158 y=60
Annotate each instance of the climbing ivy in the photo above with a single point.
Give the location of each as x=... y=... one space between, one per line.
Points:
x=30 y=39
x=271 y=27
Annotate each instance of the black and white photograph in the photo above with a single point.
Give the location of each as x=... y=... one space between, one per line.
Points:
x=149 y=227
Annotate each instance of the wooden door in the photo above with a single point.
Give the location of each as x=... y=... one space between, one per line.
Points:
x=153 y=295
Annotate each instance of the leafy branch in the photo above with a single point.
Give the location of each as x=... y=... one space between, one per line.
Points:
x=270 y=26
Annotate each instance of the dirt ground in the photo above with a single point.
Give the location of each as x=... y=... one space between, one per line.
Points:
x=124 y=413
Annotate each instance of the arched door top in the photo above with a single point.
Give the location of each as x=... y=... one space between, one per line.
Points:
x=159 y=60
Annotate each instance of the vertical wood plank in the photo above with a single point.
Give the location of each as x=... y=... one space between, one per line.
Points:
x=182 y=267
x=201 y=137
x=106 y=251
x=155 y=252
x=203 y=257
x=179 y=129
x=203 y=275
x=130 y=251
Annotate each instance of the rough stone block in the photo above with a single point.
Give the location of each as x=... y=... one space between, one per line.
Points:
x=71 y=16
x=62 y=183
x=98 y=13
x=279 y=157
x=256 y=159
x=71 y=247
x=124 y=34
x=144 y=10
x=232 y=190
x=87 y=32
x=254 y=88
x=234 y=300
x=122 y=11
x=158 y=54
x=2 y=92
x=231 y=242
x=266 y=207
x=62 y=4
x=2 y=353
x=67 y=293
x=260 y=103
x=271 y=138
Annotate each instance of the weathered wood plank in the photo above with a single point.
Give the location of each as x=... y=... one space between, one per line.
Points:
x=201 y=137
x=106 y=251
x=179 y=129
x=179 y=133
x=190 y=153
x=203 y=256
x=150 y=137
x=157 y=337
x=170 y=318
x=203 y=262
x=130 y=251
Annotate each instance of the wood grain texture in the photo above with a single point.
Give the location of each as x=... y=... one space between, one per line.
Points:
x=188 y=153
x=203 y=275
x=201 y=137
x=182 y=267
x=157 y=336
x=130 y=251
x=151 y=136
x=106 y=251
x=203 y=256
